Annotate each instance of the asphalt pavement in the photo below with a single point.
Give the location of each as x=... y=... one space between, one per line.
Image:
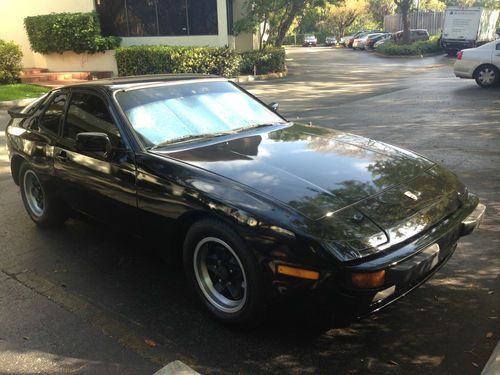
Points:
x=84 y=299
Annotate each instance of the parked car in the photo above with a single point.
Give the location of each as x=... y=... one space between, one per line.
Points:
x=359 y=34
x=344 y=40
x=481 y=63
x=310 y=40
x=370 y=42
x=360 y=43
x=350 y=39
x=330 y=41
x=368 y=224
x=382 y=41
x=415 y=35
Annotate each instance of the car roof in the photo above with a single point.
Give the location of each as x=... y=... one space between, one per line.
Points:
x=137 y=81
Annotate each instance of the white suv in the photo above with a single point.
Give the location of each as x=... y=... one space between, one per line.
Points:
x=481 y=63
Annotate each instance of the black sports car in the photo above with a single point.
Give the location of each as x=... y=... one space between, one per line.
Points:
x=266 y=209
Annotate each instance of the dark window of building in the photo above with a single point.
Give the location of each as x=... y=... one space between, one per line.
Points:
x=202 y=17
x=172 y=17
x=230 y=17
x=158 y=17
x=142 y=17
x=113 y=17
x=89 y=113
x=54 y=113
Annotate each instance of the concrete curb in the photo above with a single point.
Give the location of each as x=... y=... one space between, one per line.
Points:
x=176 y=368
x=493 y=365
x=407 y=57
x=16 y=103
x=260 y=77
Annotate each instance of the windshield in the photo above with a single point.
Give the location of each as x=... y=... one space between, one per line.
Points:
x=168 y=114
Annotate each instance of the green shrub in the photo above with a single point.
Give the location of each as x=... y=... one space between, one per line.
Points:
x=223 y=61
x=10 y=62
x=421 y=47
x=140 y=60
x=266 y=61
x=60 y=32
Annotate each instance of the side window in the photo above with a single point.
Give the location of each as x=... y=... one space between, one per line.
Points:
x=89 y=113
x=54 y=113
x=498 y=47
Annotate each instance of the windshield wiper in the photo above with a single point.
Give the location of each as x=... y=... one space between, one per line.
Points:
x=191 y=137
x=252 y=127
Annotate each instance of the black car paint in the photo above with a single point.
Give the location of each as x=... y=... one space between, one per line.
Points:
x=286 y=189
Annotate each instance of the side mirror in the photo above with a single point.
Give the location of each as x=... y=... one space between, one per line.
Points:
x=274 y=106
x=16 y=113
x=93 y=142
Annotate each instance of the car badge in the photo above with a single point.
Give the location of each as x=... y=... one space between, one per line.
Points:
x=411 y=195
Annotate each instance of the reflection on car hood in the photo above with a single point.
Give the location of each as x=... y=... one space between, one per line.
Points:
x=315 y=170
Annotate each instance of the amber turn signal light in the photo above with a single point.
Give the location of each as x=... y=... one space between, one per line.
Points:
x=368 y=280
x=298 y=272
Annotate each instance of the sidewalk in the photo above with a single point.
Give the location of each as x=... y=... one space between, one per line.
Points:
x=38 y=336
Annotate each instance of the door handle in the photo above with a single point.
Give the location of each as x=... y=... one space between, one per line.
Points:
x=62 y=156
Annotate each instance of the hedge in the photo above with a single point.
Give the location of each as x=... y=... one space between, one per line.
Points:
x=60 y=32
x=140 y=60
x=421 y=47
x=265 y=61
x=10 y=62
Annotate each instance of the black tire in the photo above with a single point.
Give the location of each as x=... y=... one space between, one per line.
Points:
x=205 y=238
x=46 y=209
x=487 y=76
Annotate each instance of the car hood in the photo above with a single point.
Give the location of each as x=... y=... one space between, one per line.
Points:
x=316 y=171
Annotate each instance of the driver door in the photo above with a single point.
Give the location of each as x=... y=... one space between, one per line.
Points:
x=98 y=184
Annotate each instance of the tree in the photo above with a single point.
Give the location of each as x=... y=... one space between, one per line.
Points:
x=258 y=14
x=431 y=5
x=492 y=4
x=340 y=17
x=277 y=15
x=380 y=8
x=404 y=8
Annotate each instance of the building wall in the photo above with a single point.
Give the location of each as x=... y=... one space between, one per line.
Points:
x=71 y=61
x=13 y=12
x=244 y=41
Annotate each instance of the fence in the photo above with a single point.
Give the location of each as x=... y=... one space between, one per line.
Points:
x=432 y=21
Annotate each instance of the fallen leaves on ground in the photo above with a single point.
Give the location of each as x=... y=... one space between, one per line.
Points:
x=150 y=343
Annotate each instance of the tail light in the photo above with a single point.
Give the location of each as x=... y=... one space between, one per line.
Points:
x=459 y=55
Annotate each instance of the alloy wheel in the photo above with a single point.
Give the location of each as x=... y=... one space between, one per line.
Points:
x=34 y=193
x=220 y=275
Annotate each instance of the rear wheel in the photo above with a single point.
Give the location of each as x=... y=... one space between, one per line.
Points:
x=45 y=209
x=224 y=274
x=487 y=76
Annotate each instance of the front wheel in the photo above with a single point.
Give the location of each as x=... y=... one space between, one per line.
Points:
x=224 y=274
x=44 y=208
x=487 y=76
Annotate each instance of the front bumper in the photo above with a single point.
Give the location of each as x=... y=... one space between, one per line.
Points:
x=471 y=222
x=404 y=274
x=406 y=267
